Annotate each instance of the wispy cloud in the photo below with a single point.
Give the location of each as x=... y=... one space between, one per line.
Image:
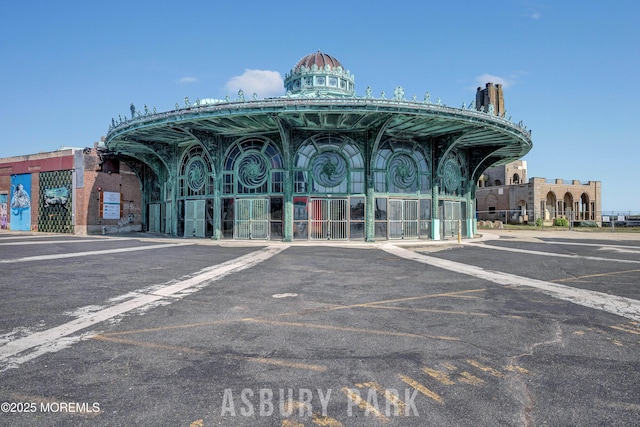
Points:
x=187 y=80
x=490 y=78
x=262 y=82
x=533 y=10
x=534 y=14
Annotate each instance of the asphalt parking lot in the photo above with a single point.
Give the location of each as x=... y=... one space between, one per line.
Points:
x=519 y=329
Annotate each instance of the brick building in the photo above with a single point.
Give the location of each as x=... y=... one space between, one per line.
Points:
x=503 y=193
x=491 y=97
x=70 y=190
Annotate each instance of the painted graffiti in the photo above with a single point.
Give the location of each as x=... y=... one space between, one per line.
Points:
x=56 y=196
x=21 y=202
x=3 y=212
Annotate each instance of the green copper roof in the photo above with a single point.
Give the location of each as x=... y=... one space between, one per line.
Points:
x=402 y=119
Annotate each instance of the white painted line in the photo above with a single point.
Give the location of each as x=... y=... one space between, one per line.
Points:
x=600 y=245
x=24 y=236
x=89 y=253
x=620 y=250
x=621 y=306
x=57 y=338
x=553 y=254
x=286 y=295
x=57 y=242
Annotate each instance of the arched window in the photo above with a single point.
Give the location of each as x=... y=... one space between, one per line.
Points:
x=328 y=165
x=195 y=176
x=453 y=174
x=551 y=205
x=568 y=204
x=515 y=179
x=401 y=167
x=253 y=166
x=585 y=207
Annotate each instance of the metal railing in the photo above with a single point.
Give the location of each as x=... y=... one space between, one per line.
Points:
x=546 y=218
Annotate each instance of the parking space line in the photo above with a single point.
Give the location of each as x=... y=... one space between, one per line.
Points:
x=486 y=369
x=89 y=253
x=167 y=328
x=374 y=304
x=589 y=276
x=438 y=375
x=598 y=245
x=421 y=388
x=614 y=304
x=552 y=254
x=449 y=366
x=146 y=344
x=516 y=369
x=631 y=327
x=285 y=363
x=470 y=379
x=363 y=404
x=431 y=310
x=56 y=338
x=180 y=349
x=347 y=329
x=391 y=397
x=57 y=242
x=324 y=421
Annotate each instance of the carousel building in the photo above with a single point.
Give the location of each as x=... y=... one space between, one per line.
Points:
x=319 y=163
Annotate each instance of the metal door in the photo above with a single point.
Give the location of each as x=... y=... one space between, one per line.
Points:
x=328 y=219
x=194 y=218
x=154 y=218
x=452 y=217
x=168 y=217
x=403 y=219
x=251 y=219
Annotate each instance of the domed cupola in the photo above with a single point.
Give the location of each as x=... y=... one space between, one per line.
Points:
x=319 y=75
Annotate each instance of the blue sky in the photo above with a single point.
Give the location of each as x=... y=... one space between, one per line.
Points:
x=570 y=69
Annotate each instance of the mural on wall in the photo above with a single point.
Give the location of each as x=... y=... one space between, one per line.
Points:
x=4 y=214
x=55 y=213
x=21 y=202
x=56 y=196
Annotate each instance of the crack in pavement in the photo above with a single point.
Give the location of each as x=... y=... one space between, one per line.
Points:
x=516 y=382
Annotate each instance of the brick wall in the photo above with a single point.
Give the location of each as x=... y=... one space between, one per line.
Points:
x=125 y=182
x=87 y=212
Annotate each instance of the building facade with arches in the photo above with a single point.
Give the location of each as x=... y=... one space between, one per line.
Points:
x=505 y=193
x=319 y=163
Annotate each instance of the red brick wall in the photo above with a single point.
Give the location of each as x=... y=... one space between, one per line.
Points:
x=88 y=219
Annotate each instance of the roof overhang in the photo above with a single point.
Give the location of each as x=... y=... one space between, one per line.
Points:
x=404 y=119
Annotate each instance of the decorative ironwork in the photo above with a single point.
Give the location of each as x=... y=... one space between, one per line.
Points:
x=329 y=168
x=403 y=171
x=196 y=172
x=451 y=176
x=253 y=169
x=322 y=141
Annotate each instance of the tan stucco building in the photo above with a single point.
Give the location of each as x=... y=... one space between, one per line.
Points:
x=505 y=194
